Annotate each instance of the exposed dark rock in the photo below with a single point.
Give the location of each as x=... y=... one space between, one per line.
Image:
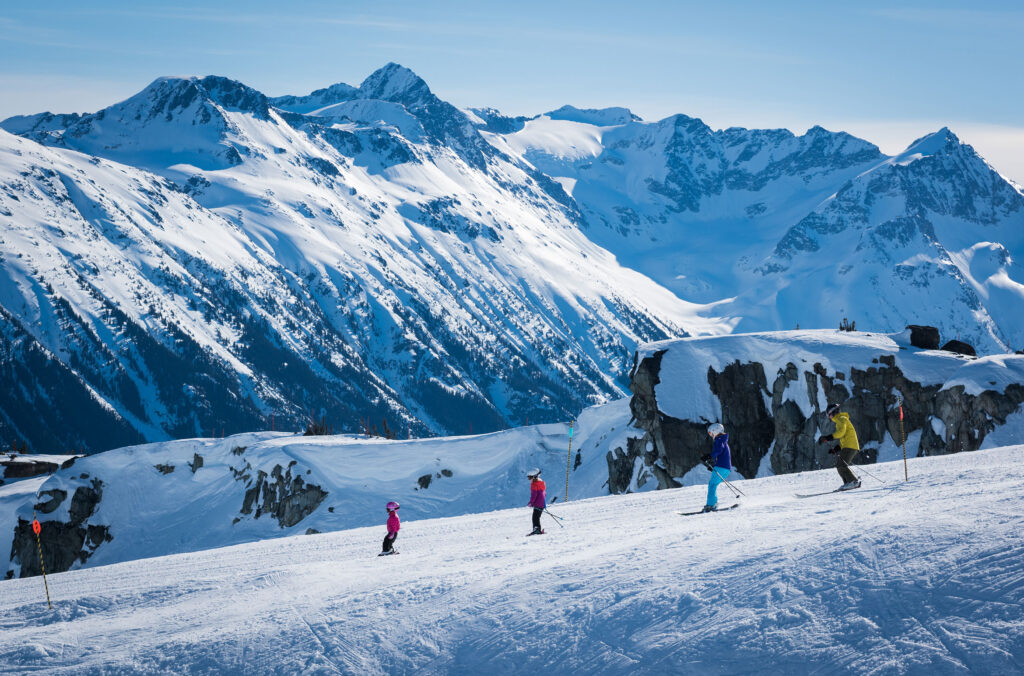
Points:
x=197 y=462
x=84 y=501
x=23 y=470
x=924 y=337
x=676 y=444
x=959 y=347
x=238 y=450
x=56 y=496
x=62 y=543
x=288 y=499
x=424 y=481
x=671 y=447
x=164 y=469
x=312 y=531
x=620 y=470
x=741 y=389
x=446 y=473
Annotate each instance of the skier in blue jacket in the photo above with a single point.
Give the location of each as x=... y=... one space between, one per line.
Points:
x=719 y=461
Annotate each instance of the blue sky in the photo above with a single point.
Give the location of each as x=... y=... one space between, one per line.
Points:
x=886 y=71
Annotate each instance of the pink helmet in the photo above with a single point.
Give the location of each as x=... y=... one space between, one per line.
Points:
x=392 y=506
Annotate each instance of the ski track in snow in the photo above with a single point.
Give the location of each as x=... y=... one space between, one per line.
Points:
x=918 y=577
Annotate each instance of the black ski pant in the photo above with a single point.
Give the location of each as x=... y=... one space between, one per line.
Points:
x=846 y=456
x=389 y=541
x=536 y=518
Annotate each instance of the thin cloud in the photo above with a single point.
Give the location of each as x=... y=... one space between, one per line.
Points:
x=955 y=18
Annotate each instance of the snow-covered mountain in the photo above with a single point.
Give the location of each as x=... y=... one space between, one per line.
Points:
x=201 y=258
x=758 y=217
x=917 y=577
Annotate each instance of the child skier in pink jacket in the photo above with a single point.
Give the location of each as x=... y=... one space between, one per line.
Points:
x=538 y=499
x=394 y=524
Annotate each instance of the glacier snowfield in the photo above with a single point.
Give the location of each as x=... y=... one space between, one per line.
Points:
x=925 y=576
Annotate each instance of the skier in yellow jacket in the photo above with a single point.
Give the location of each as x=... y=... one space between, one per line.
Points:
x=848 y=448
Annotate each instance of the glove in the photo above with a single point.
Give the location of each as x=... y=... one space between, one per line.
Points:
x=824 y=439
x=833 y=451
x=706 y=457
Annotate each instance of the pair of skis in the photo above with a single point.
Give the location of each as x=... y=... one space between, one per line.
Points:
x=723 y=509
x=557 y=519
x=835 y=490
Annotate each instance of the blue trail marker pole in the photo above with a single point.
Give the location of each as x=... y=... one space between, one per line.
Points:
x=568 y=459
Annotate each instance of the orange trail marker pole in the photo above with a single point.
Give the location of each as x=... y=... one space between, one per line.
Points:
x=36 y=528
x=906 y=476
x=568 y=458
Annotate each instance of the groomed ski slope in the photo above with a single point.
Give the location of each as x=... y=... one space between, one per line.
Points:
x=918 y=577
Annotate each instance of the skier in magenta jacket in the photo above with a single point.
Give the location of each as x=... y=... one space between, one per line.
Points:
x=538 y=498
x=394 y=524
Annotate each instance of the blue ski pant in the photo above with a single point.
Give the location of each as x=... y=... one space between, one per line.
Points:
x=717 y=476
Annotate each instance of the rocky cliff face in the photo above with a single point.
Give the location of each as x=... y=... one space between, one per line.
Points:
x=66 y=541
x=774 y=407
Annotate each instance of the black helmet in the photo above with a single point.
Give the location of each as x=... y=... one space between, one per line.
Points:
x=832 y=410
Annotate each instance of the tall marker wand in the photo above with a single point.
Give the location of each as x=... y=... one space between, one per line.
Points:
x=906 y=476
x=36 y=528
x=568 y=459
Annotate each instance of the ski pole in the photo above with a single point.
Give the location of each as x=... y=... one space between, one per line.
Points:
x=735 y=490
x=861 y=468
x=557 y=519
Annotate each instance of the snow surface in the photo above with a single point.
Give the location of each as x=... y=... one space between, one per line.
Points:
x=918 y=577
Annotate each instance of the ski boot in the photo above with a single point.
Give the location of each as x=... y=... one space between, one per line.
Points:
x=850 y=485
x=710 y=508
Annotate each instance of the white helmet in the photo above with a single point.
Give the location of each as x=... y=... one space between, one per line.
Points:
x=533 y=473
x=715 y=429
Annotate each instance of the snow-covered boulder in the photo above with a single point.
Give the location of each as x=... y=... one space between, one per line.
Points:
x=771 y=390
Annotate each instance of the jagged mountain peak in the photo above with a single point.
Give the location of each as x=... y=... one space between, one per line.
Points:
x=396 y=83
x=935 y=143
x=173 y=93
